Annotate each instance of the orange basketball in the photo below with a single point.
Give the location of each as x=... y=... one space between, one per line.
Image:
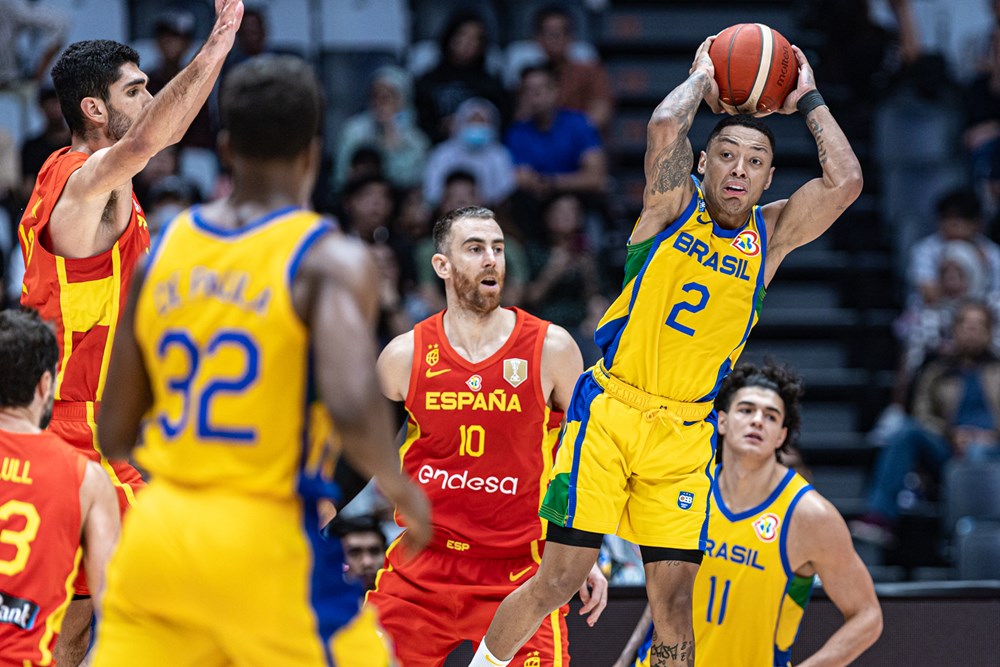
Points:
x=755 y=68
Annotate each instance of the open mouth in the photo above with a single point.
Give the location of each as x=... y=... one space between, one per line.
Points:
x=754 y=437
x=488 y=282
x=735 y=189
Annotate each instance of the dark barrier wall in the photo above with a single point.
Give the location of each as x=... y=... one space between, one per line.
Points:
x=953 y=624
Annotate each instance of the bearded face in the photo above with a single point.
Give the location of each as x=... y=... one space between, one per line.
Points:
x=480 y=290
x=118 y=123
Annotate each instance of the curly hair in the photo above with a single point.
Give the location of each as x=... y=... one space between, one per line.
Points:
x=28 y=348
x=780 y=379
x=87 y=69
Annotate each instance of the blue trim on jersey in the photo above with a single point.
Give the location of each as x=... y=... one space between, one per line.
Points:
x=647 y=645
x=659 y=238
x=713 y=419
x=307 y=242
x=583 y=411
x=209 y=228
x=782 y=658
x=727 y=366
x=754 y=511
x=783 y=540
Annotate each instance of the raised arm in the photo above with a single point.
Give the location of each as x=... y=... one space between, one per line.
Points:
x=819 y=535
x=811 y=209
x=99 y=526
x=164 y=120
x=669 y=156
x=127 y=394
x=333 y=294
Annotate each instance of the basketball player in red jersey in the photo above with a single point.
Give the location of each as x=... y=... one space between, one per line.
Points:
x=83 y=230
x=52 y=499
x=485 y=388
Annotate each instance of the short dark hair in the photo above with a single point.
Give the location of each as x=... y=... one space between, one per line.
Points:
x=460 y=175
x=362 y=523
x=780 y=379
x=271 y=106
x=547 y=12
x=28 y=348
x=356 y=185
x=442 y=228
x=546 y=68
x=87 y=69
x=960 y=203
x=742 y=120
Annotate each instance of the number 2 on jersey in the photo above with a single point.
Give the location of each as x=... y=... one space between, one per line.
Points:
x=684 y=306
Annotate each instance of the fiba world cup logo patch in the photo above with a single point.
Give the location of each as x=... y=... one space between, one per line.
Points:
x=685 y=499
x=515 y=371
x=475 y=383
x=747 y=242
x=766 y=527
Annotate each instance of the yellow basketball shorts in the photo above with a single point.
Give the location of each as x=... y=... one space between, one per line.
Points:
x=633 y=464
x=215 y=578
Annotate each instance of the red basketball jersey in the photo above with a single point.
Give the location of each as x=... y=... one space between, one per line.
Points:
x=40 y=524
x=480 y=437
x=83 y=297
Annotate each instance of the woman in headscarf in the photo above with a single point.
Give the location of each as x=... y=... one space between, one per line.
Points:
x=388 y=126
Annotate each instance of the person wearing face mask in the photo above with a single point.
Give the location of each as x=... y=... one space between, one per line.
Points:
x=473 y=147
x=387 y=125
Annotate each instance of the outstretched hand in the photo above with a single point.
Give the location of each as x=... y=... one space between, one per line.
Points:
x=228 y=17
x=805 y=83
x=702 y=62
x=594 y=595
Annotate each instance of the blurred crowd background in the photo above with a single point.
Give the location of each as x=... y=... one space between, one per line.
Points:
x=539 y=111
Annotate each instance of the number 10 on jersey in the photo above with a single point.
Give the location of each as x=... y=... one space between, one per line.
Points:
x=472 y=440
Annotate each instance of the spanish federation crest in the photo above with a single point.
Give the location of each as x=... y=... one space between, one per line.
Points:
x=515 y=371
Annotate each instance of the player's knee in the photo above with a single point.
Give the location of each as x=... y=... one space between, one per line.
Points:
x=673 y=604
x=555 y=588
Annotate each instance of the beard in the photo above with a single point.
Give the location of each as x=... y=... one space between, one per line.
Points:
x=472 y=298
x=46 y=416
x=118 y=123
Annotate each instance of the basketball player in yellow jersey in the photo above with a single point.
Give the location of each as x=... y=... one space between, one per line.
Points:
x=634 y=458
x=770 y=533
x=247 y=305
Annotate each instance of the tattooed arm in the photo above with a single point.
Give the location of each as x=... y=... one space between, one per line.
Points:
x=669 y=156
x=811 y=209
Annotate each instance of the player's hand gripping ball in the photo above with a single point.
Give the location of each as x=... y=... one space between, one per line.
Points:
x=755 y=68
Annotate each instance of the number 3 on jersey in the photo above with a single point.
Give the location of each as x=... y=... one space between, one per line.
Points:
x=698 y=305
x=20 y=539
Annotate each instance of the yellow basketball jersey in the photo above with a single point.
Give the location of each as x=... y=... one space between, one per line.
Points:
x=228 y=357
x=691 y=295
x=746 y=593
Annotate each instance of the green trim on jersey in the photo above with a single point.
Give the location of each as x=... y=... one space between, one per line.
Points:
x=556 y=500
x=635 y=258
x=799 y=590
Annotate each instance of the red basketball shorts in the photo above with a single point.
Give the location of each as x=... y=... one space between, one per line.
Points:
x=430 y=604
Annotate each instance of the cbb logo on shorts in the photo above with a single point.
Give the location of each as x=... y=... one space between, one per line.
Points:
x=766 y=527
x=747 y=242
x=685 y=499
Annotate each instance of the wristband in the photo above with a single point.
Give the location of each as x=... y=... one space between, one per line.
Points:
x=809 y=101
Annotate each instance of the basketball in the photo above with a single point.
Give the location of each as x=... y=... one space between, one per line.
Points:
x=755 y=68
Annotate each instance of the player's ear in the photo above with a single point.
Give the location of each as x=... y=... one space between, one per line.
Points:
x=46 y=385
x=94 y=111
x=784 y=436
x=442 y=267
x=770 y=175
x=701 y=163
x=723 y=417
